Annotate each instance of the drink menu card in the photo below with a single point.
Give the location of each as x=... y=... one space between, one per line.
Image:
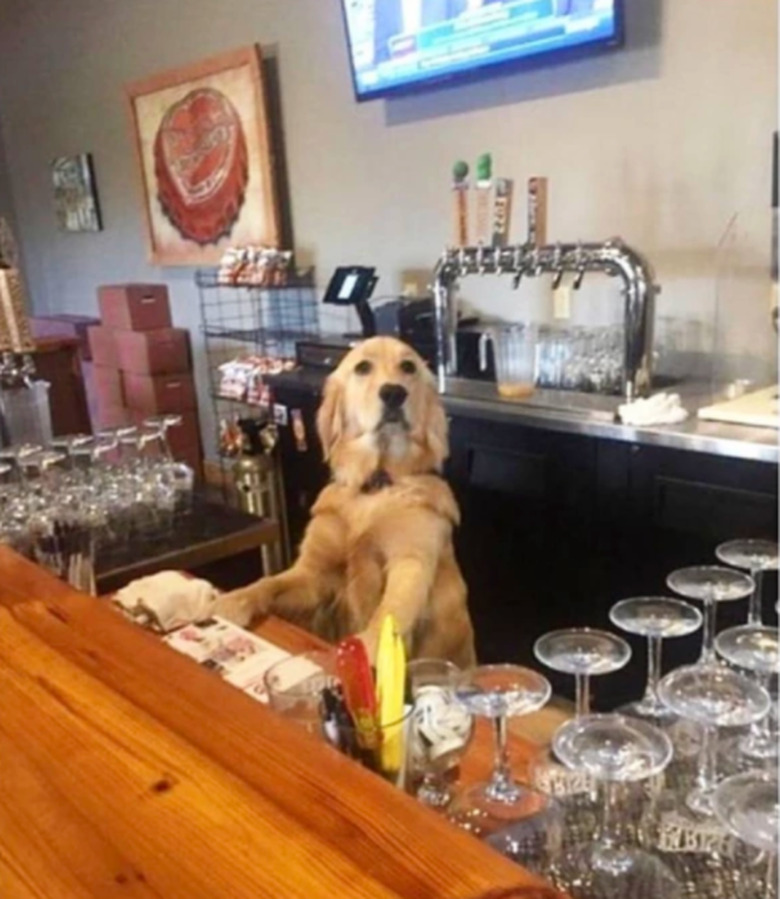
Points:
x=238 y=656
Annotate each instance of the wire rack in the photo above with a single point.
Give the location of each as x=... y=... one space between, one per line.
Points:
x=238 y=321
x=268 y=320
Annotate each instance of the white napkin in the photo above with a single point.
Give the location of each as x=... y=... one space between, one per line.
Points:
x=661 y=409
x=173 y=599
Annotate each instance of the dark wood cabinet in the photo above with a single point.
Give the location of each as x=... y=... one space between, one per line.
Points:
x=57 y=361
x=558 y=527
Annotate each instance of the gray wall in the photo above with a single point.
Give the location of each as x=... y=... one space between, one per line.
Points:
x=661 y=143
x=6 y=200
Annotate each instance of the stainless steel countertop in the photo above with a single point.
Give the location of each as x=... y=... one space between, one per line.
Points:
x=594 y=416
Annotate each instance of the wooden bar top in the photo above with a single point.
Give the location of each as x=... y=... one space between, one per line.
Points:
x=128 y=770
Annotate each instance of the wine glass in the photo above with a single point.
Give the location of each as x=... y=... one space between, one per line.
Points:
x=516 y=819
x=582 y=651
x=614 y=749
x=710 y=584
x=714 y=696
x=747 y=805
x=654 y=617
x=754 y=648
x=72 y=445
x=163 y=423
x=440 y=728
x=755 y=556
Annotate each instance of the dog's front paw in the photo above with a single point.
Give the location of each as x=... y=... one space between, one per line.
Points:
x=237 y=606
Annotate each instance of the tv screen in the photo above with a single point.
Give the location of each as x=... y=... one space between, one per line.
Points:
x=397 y=45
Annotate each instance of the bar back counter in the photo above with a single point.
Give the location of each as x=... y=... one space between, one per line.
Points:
x=564 y=511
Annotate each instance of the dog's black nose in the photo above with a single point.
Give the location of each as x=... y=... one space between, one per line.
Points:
x=393 y=395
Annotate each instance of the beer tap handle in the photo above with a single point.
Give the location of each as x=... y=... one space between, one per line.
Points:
x=580 y=260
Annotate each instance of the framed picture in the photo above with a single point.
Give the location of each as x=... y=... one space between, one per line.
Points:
x=75 y=197
x=201 y=134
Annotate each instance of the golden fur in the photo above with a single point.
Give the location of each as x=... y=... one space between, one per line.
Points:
x=368 y=553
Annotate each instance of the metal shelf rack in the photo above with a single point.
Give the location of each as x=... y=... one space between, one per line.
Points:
x=243 y=320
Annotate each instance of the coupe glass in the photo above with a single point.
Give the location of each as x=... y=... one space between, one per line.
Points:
x=747 y=805
x=755 y=556
x=710 y=584
x=440 y=729
x=714 y=696
x=582 y=651
x=523 y=823
x=754 y=648
x=654 y=617
x=614 y=749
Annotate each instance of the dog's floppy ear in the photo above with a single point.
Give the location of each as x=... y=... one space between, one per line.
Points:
x=330 y=416
x=435 y=429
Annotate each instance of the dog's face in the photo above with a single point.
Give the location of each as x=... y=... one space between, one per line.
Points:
x=383 y=397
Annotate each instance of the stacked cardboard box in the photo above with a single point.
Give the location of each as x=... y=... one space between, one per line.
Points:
x=143 y=366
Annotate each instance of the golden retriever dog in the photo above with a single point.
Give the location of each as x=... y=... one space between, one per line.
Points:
x=380 y=536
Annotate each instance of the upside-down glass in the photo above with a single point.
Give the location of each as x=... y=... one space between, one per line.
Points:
x=516 y=819
x=163 y=423
x=714 y=696
x=583 y=652
x=747 y=805
x=755 y=649
x=710 y=584
x=439 y=731
x=755 y=556
x=656 y=618
x=614 y=749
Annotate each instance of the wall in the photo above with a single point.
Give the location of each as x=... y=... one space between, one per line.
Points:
x=660 y=143
x=6 y=201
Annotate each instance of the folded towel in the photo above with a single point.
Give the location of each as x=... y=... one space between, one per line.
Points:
x=168 y=599
x=661 y=409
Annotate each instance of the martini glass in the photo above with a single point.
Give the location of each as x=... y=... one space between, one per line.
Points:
x=654 y=617
x=615 y=750
x=710 y=584
x=755 y=556
x=714 y=696
x=754 y=648
x=747 y=805
x=583 y=652
x=513 y=817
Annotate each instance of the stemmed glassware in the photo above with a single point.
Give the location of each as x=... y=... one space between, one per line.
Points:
x=123 y=483
x=440 y=728
x=714 y=696
x=515 y=818
x=754 y=648
x=747 y=805
x=614 y=750
x=656 y=618
x=710 y=584
x=583 y=652
x=755 y=556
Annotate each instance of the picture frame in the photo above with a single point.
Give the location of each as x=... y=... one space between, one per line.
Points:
x=203 y=149
x=75 y=194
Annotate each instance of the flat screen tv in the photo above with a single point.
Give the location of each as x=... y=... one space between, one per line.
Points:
x=400 y=45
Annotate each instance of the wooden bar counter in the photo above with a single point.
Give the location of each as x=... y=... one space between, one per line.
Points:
x=127 y=770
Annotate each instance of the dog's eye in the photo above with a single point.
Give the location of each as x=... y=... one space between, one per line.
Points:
x=408 y=367
x=363 y=368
